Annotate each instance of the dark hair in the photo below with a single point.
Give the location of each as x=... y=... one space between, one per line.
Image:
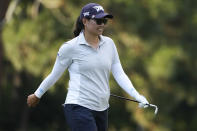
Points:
x=78 y=27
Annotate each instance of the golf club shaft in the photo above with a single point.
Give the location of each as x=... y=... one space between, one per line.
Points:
x=124 y=98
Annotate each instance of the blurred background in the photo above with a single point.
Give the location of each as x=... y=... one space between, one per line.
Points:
x=157 y=45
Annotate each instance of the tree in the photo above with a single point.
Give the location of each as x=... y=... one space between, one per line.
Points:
x=3 y=9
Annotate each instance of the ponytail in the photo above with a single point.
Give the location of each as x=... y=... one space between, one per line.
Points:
x=78 y=27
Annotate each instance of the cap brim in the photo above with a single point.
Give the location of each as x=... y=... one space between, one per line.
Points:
x=104 y=15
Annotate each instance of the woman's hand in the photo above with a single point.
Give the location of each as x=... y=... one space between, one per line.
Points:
x=143 y=102
x=32 y=100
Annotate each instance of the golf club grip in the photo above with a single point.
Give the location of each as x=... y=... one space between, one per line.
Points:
x=124 y=98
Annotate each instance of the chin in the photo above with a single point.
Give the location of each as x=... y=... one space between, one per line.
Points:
x=100 y=32
x=97 y=32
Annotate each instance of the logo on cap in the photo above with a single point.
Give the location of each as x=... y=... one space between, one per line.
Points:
x=86 y=13
x=98 y=8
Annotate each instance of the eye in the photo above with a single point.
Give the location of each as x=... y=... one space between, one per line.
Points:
x=100 y=21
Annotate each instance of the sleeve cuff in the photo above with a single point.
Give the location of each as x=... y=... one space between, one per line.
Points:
x=38 y=93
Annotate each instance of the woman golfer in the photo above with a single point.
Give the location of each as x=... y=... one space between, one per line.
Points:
x=90 y=57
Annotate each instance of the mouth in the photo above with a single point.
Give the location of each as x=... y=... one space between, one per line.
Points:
x=100 y=29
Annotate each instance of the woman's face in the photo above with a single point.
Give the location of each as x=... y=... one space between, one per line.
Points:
x=95 y=26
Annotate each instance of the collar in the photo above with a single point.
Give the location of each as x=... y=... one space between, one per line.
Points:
x=82 y=41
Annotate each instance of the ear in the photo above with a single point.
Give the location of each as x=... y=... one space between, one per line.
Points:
x=84 y=21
